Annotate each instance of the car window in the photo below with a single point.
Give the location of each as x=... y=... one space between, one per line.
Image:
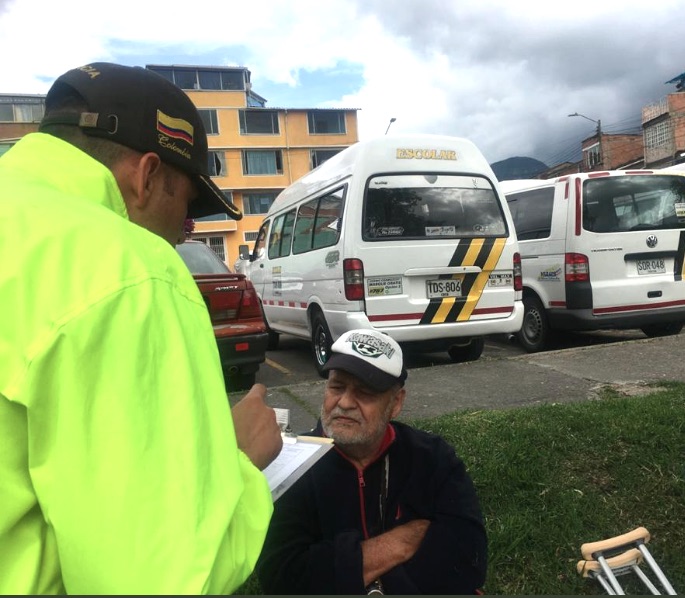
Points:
x=532 y=212
x=200 y=259
x=401 y=207
x=633 y=202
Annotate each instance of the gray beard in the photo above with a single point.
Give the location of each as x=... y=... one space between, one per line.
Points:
x=361 y=438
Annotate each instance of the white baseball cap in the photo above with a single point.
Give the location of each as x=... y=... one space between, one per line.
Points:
x=370 y=355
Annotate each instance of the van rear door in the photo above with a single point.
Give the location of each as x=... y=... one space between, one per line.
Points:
x=633 y=234
x=436 y=249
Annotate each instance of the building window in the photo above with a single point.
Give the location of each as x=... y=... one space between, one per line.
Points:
x=259 y=202
x=220 y=215
x=593 y=156
x=326 y=122
x=250 y=235
x=658 y=134
x=254 y=101
x=259 y=122
x=210 y=121
x=216 y=244
x=319 y=156
x=217 y=163
x=21 y=110
x=204 y=78
x=262 y=162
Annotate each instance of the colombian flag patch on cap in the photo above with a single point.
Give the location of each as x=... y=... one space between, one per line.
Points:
x=177 y=128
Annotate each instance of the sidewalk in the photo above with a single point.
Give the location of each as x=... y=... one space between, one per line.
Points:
x=500 y=383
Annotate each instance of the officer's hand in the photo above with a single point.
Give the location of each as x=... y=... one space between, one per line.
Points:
x=257 y=432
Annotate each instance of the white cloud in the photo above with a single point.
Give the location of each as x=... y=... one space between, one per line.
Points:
x=505 y=74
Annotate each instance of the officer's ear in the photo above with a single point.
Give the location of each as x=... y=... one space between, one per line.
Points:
x=137 y=175
x=149 y=174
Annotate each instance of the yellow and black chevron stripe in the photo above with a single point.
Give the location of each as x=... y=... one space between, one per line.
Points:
x=679 y=262
x=484 y=253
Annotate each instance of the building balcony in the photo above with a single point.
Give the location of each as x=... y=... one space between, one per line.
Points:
x=652 y=111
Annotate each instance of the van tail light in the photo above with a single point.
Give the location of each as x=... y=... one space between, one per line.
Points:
x=518 y=276
x=577 y=267
x=353 y=277
x=249 y=305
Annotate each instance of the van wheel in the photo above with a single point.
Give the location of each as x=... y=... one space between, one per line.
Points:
x=321 y=342
x=667 y=329
x=535 y=333
x=470 y=352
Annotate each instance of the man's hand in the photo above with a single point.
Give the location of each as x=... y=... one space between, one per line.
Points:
x=257 y=432
x=394 y=547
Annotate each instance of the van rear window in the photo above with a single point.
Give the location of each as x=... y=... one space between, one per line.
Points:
x=431 y=206
x=633 y=202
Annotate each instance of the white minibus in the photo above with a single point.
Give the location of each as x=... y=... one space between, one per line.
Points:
x=409 y=235
x=600 y=250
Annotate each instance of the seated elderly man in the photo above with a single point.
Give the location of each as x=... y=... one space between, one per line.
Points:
x=390 y=510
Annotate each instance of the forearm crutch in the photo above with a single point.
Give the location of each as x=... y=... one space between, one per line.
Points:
x=619 y=548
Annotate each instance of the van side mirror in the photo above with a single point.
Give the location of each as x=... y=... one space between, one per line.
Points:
x=244 y=252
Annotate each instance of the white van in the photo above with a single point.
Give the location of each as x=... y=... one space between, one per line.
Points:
x=406 y=234
x=600 y=250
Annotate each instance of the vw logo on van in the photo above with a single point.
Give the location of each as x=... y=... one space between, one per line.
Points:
x=652 y=241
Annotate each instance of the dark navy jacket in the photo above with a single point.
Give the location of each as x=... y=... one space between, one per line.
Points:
x=313 y=543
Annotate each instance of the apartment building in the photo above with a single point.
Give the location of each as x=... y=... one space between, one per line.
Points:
x=19 y=114
x=663 y=125
x=611 y=151
x=255 y=151
x=602 y=151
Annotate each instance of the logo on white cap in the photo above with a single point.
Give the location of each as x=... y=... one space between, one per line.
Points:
x=372 y=347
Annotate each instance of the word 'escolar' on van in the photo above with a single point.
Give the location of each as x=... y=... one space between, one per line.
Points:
x=600 y=250
x=409 y=235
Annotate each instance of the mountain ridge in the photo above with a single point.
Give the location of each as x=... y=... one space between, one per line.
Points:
x=517 y=167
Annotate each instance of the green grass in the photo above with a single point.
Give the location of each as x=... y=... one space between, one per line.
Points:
x=554 y=476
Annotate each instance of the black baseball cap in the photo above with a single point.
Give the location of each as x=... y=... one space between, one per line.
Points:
x=140 y=109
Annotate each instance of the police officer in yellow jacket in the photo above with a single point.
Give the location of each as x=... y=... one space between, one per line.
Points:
x=122 y=468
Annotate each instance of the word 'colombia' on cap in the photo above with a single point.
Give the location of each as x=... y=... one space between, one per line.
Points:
x=370 y=355
x=142 y=110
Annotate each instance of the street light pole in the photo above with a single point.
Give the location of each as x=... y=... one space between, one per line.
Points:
x=597 y=122
x=600 y=158
x=392 y=120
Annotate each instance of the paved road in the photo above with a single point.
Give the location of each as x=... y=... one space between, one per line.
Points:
x=497 y=382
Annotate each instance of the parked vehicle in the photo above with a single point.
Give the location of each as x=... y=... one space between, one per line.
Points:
x=406 y=234
x=600 y=250
x=235 y=311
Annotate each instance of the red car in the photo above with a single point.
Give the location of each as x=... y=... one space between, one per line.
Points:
x=235 y=311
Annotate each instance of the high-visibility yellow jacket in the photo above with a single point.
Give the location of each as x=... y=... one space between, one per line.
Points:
x=119 y=469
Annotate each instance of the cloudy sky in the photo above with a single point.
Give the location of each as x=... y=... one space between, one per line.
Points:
x=502 y=73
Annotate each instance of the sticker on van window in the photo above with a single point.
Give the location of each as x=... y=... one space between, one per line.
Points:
x=679 y=210
x=552 y=273
x=440 y=231
x=389 y=231
x=501 y=279
x=384 y=285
